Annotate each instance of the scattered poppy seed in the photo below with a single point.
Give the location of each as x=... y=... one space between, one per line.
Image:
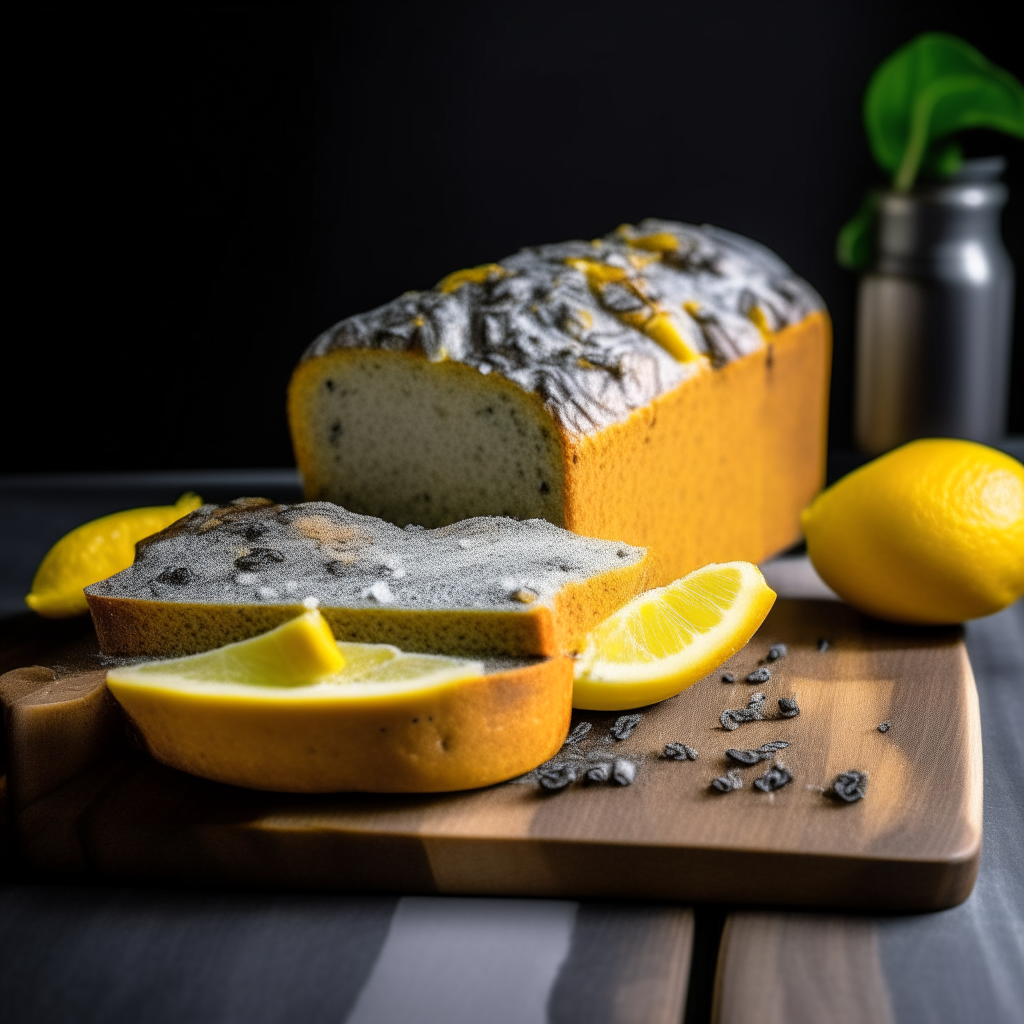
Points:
x=753 y=712
x=557 y=776
x=823 y=645
x=258 y=558
x=680 y=752
x=765 y=752
x=850 y=786
x=728 y=782
x=728 y=677
x=181 y=576
x=579 y=732
x=600 y=772
x=743 y=756
x=624 y=726
x=759 y=675
x=788 y=707
x=777 y=651
x=775 y=778
x=885 y=727
x=624 y=772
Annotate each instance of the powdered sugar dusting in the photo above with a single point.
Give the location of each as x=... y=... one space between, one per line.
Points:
x=340 y=559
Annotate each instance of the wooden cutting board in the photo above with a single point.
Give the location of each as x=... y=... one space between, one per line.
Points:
x=84 y=801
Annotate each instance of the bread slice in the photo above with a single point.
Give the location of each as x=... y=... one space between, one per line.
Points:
x=487 y=586
x=461 y=727
x=666 y=385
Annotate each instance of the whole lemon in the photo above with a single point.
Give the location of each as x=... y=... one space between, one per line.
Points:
x=932 y=532
x=95 y=550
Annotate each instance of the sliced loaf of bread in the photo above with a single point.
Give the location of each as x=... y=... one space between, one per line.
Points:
x=487 y=586
x=665 y=385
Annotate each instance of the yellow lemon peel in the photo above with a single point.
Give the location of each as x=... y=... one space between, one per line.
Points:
x=471 y=275
x=291 y=710
x=930 y=533
x=95 y=550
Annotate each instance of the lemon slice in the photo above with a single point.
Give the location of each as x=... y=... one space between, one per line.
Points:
x=282 y=712
x=665 y=640
x=95 y=550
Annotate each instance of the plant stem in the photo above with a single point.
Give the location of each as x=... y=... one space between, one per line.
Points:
x=920 y=122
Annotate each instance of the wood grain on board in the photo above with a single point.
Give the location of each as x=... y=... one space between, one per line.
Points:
x=800 y=969
x=629 y=963
x=912 y=844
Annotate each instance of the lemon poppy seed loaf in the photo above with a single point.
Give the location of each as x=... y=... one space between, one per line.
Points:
x=666 y=385
x=486 y=586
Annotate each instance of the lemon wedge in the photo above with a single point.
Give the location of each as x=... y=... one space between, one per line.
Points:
x=95 y=550
x=665 y=640
x=293 y=711
x=300 y=652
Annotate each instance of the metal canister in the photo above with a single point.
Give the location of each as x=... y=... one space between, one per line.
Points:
x=935 y=314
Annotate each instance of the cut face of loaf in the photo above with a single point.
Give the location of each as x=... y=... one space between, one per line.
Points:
x=392 y=435
x=666 y=385
x=488 y=586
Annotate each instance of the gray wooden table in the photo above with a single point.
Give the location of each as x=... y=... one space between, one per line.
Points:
x=110 y=954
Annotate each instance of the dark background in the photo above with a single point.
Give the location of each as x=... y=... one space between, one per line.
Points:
x=195 y=191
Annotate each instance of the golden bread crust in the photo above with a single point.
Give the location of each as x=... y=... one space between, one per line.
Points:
x=716 y=470
x=463 y=735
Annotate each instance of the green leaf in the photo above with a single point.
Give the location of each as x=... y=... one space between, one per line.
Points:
x=934 y=86
x=944 y=159
x=856 y=242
